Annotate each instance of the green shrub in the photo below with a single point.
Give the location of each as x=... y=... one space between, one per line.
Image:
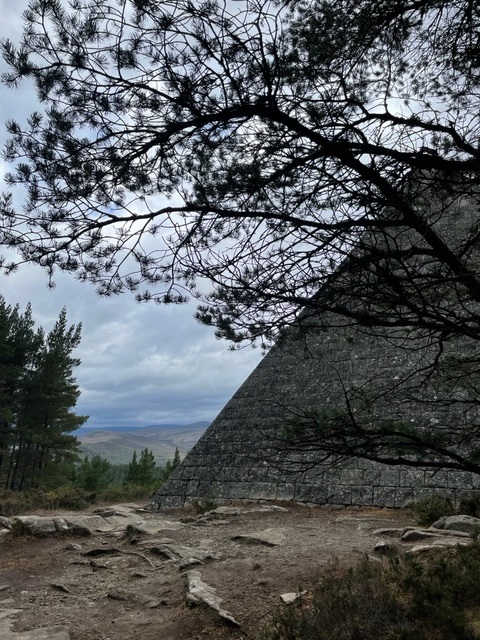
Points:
x=207 y=502
x=20 y=529
x=406 y=599
x=430 y=509
x=124 y=493
x=68 y=497
x=470 y=505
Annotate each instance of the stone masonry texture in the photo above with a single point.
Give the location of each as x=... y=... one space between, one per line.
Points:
x=314 y=368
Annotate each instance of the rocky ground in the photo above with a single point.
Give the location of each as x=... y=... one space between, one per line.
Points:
x=123 y=573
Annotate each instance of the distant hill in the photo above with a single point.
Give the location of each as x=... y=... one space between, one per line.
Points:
x=117 y=444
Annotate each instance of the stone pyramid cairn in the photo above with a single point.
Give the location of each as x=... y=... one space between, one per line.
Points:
x=327 y=363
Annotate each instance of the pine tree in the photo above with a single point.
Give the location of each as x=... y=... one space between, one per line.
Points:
x=39 y=393
x=171 y=465
x=19 y=342
x=141 y=472
x=132 y=472
x=92 y=472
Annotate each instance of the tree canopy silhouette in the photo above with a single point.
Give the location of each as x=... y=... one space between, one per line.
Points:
x=253 y=145
x=303 y=162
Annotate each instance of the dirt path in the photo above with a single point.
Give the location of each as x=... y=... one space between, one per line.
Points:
x=53 y=582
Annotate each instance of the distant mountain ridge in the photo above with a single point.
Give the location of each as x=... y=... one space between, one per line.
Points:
x=117 y=444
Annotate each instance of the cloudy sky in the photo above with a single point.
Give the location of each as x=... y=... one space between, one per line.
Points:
x=142 y=364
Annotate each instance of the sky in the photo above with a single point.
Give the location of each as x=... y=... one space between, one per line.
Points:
x=142 y=364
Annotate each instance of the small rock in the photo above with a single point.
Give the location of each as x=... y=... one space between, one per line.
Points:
x=189 y=562
x=385 y=548
x=136 y=598
x=199 y=591
x=289 y=598
x=73 y=546
x=60 y=587
x=61 y=525
x=188 y=519
x=98 y=564
x=6 y=523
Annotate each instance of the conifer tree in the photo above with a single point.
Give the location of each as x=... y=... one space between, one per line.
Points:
x=141 y=472
x=37 y=396
x=92 y=473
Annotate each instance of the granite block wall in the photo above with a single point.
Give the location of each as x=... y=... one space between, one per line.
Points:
x=311 y=369
x=318 y=367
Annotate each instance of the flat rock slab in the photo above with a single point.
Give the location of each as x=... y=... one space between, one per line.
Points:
x=419 y=534
x=236 y=511
x=93 y=523
x=136 y=598
x=120 y=521
x=268 y=537
x=153 y=528
x=58 y=632
x=392 y=532
x=200 y=592
x=436 y=545
x=174 y=551
x=38 y=525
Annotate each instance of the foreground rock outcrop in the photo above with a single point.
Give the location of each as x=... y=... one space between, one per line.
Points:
x=100 y=575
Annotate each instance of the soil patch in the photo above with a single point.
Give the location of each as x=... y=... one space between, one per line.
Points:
x=105 y=595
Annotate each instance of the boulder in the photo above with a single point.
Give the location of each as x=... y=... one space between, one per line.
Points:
x=37 y=525
x=467 y=524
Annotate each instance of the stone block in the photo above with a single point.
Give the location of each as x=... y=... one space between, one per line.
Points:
x=262 y=490
x=241 y=490
x=332 y=476
x=339 y=494
x=170 y=502
x=384 y=496
x=352 y=477
x=188 y=472
x=389 y=477
x=437 y=480
x=285 y=491
x=227 y=474
x=258 y=473
x=404 y=495
x=460 y=480
x=316 y=494
x=412 y=478
x=362 y=495
x=371 y=477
